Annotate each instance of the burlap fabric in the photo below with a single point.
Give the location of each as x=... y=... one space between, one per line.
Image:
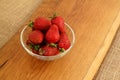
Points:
x=13 y=13
x=110 y=68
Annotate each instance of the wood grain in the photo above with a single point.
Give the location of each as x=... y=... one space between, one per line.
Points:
x=95 y=23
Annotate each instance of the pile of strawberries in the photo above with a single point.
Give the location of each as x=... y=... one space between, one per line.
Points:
x=48 y=37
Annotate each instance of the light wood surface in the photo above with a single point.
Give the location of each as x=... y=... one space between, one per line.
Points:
x=95 y=23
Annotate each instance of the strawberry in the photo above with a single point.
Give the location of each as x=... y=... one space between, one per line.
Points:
x=49 y=51
x=41 y=23
x=59 y=22
x=36 y=37
x=64 y=41
x=52 y=35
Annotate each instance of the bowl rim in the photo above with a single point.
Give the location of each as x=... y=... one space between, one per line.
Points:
x=36 y=55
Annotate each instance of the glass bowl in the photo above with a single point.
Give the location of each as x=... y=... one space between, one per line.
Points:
x=24 y=37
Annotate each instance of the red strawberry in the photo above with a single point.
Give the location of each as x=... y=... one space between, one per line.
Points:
x=49 y=51
x=59 y=22
x=52 y=35
x=42 y=23
x=64 y=41
x=36 y=37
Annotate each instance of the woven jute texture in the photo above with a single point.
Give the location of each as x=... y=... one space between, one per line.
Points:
x=110 y=68
x=13 y=13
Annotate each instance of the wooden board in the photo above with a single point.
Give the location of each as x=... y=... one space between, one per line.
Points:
x=95 y=23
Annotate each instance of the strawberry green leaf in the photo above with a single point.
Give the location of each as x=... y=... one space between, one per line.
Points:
x=41 y=51
x=54 y=15
x=53 y=45
x=36 y=47
x=62 y=49
x=31 y=24
x=31 y=45
x=51 y=17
